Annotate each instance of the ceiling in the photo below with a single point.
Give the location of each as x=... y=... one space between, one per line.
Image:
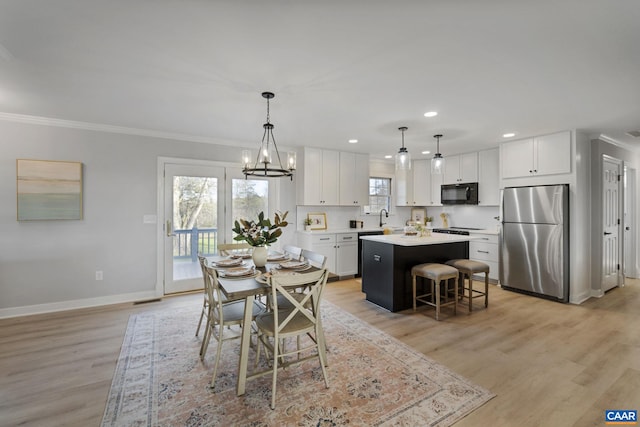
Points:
x=340 y=69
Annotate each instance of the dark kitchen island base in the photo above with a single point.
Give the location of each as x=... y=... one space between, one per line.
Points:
x=386 y=273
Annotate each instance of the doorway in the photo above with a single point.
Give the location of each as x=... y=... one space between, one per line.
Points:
x=611 y=209
x=193 y=216
x=198 y=204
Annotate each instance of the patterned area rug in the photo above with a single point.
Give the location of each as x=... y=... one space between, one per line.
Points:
x=374 y=380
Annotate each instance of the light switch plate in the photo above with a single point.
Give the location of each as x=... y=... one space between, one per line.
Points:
x=149 y=219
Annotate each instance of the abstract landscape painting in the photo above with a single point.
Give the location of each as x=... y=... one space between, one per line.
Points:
x=49 y=190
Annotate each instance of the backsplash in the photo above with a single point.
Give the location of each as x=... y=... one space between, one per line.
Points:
x=338 y=217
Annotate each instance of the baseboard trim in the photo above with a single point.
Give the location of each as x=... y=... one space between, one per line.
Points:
x=75 y=304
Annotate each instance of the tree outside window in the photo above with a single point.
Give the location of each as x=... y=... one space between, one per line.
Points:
x=379 y=194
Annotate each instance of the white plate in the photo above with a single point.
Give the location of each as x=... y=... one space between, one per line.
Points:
x=229 y=262
x=277 y=257
x=238 y=272
x=240 y=256
x=294 y=265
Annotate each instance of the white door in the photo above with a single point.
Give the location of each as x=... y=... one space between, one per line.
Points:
x=610 y=223
x=193 y=216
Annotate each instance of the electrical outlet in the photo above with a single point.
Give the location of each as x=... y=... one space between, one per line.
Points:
x=99 y=275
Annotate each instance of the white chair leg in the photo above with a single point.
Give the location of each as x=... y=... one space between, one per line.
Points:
x=215 y=365
x=276 y=347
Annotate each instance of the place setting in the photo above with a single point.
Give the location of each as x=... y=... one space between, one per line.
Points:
x=294 y=265
x=228 y=262
x=244 y=272
x=277 y=257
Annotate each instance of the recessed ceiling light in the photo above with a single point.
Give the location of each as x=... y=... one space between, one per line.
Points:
x=431 y=114
x=509 y=135
x=353 y=141
x=388 y=157
x=426 y=152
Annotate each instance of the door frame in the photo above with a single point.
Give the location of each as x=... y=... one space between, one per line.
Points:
x=160 y=199
x=232 y=171
x=630 y=215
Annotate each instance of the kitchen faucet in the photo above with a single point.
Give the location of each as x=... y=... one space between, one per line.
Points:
x=386 y=214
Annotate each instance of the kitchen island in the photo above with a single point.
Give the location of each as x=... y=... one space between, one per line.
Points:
x=387 y=261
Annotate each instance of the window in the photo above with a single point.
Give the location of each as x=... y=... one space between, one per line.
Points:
x=249 y=198
x=379 y=194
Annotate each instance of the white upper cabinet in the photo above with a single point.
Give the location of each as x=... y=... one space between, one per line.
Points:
x=421 y=182
x=436 y=195
x=418 y=187
x=542 y=155
x=333 y=178
x=320 y=177
x=354 y=179
x=404 y=188
x=488 y=177
x=461 y=168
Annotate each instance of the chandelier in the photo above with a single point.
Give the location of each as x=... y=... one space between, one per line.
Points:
x=403 y=158
x=268 y=162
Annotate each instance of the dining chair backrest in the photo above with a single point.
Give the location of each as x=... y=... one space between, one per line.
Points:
x=282 y=284
x=293 y=252
x=227 y=249
x=203 y=265
x=315 y=259
x=214 y=293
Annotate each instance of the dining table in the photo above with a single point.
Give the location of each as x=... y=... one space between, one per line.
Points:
x=249 y=288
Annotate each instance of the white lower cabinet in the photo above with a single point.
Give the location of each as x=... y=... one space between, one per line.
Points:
x=485 y=250
x=341 y=250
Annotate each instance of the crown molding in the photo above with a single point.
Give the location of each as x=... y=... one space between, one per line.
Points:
x=71 y=124
x=612 y=141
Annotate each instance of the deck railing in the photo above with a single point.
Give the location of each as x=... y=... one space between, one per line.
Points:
x=190 y=243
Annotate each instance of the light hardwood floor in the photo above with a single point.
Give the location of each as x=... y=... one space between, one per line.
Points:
x=549 y=364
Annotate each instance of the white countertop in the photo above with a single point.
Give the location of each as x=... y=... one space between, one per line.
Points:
x=396 y=228
x=434 y=239
x=350 y=230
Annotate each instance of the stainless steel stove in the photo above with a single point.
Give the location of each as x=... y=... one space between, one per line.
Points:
x=455 y=230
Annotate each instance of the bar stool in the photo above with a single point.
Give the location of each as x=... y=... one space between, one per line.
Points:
x=467 y=268
x=436 y=273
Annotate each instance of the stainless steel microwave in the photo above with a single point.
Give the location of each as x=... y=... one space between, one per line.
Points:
x=459 y=194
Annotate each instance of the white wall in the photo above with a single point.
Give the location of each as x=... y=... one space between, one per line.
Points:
x=50 y=265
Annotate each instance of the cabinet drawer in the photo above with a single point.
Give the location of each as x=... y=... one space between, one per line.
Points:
x=323 y=238
x=487 y=238
x=483 y=251
x=347 y=237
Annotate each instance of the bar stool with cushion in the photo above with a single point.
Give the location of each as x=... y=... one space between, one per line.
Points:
x=436 y=273
x=468 y=268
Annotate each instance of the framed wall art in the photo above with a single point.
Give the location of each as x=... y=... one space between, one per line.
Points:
x=318 y=220
x=48 y=190
x=418 y=215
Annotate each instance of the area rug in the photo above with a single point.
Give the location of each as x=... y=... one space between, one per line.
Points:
x=374 y=380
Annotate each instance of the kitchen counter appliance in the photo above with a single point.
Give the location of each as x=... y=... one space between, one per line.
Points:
x=459 y=194
x=463 y=231
x=534 y=241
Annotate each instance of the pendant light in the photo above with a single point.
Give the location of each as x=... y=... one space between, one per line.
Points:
x=437 y=163
x=265 y=164
x=403 y=158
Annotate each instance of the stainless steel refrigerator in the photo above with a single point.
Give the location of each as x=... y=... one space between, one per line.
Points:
x=534 y=241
